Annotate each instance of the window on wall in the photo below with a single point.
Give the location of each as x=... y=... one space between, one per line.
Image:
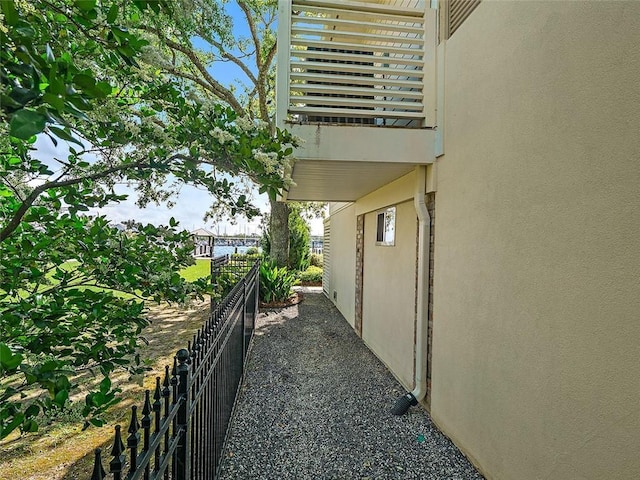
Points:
x=386 y=227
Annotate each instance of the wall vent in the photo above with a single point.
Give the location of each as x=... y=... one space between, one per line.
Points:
x=457 y=13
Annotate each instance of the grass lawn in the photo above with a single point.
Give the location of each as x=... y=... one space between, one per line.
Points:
x=202 y=268
x=61 y=450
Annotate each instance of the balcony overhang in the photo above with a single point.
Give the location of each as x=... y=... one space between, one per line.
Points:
x=344 y=163
x=356 y=81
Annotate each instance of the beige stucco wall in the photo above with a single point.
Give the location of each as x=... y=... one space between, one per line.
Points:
x=388 y=313
x=536 y=351
x=343 y=258
x=389 y=289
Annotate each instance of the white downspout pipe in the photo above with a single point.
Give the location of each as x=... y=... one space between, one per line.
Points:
x=422 y=307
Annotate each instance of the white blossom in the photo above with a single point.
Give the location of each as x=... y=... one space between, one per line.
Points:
x=268 y=159
x=244 y=124
x=132 y=128
x=25 y=6
x=261 y=124
x=222 y=136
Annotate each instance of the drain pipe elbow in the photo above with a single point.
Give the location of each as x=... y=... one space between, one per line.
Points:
x=422 y=306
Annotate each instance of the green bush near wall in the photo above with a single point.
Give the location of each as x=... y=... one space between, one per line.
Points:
x=312 y=275
x=316 y=260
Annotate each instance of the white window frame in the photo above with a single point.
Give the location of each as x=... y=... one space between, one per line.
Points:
x=386 y=227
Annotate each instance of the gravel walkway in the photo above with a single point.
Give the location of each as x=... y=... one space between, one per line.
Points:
x=315 y=405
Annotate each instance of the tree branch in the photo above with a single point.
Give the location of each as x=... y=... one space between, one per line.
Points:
x=13 y=188
x=234 y=59
x=262 y=81
x=33 y=196
x=214 y=86
x=254 y=34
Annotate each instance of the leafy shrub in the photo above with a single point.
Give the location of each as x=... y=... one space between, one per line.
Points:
x=248 y=257
x=252 y=251
x=275 y=283
x=311 y=275
x=316 y=260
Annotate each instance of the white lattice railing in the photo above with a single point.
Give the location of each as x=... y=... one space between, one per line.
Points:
x=359 y=62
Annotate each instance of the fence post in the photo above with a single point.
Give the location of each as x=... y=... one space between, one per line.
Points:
x=183 y=454
x=244 y=321
x=98 y=471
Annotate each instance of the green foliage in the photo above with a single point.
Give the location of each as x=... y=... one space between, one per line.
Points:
x=61 y=317
x=251 y=251
x=224 y=283
x=247 y=257
x=72 y=71
x=316 y=260
x=276 y=283
x=312 y=275
x=299 y=240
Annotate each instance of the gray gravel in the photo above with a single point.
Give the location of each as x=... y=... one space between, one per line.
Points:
x=316 y=405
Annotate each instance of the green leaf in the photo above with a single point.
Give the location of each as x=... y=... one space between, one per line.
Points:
x=26 y=123
x=96 y=422
x=56 y=101
x=84 y=81
x=9 y=11
x=113 y=13
x=56 y=85
x=32 y=411
x=24 y=30
x=105 y=385
x=104 y=87
x=15 y=423
x=50 y=57
x=61 y=398
x=65 y=135
x=8 y=360
x=30 y=426
x=86 y=5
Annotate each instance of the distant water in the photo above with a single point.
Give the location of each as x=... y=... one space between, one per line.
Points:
x=220 y=250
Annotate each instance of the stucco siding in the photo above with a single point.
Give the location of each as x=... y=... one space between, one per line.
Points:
x=343 y=259
x=536 y=350
x=389 y=282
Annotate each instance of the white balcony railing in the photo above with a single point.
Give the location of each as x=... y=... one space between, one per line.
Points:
x=357 y=62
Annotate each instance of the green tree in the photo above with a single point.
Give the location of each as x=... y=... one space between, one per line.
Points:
x=72 y=288
x=196 y=39
x=299 y=240
x=299 y=234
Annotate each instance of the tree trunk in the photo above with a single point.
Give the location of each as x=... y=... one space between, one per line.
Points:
x=279 y=232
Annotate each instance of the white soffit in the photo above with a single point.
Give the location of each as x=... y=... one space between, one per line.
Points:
x=330 y=181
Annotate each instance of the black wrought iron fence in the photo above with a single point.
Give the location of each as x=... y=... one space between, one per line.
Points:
x=226 y=271
x=181 y=433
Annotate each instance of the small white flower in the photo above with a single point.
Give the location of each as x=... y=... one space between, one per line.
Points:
x=244 y=124
x=261 y=125
x=222 y=136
